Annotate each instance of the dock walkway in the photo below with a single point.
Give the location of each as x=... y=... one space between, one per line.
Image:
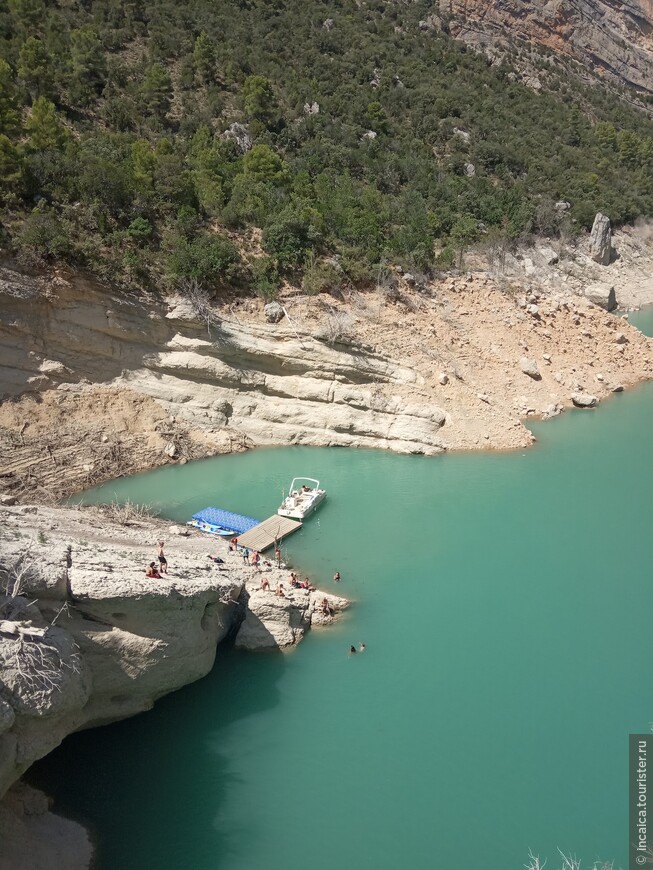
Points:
x=263 y=536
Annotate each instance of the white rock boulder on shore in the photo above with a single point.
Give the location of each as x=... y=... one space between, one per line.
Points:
x=602 y=295
x=530 y=368
x=584 y=400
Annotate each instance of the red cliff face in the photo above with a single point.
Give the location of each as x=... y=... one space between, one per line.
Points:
x=612 y=37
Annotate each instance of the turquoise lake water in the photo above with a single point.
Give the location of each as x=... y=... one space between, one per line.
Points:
x=505 y=600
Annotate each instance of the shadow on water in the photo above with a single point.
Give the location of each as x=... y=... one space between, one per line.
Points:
x=174 y=749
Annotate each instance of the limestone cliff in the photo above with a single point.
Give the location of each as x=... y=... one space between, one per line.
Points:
x=86 y=638
x=613 y=37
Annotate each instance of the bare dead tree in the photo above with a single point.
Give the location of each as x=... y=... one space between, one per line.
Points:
x=569 y=862
x=337 y=327
x=37 y=659
x=200 y=302
x=14 y=576
x=127 y=513
x=534 y=862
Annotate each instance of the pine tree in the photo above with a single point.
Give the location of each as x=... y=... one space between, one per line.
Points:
x=156 y=91
x=10 y=165
x=9 y=117
x=204 y=58
x=35 y=72
x=43 y=127
x=88 y=66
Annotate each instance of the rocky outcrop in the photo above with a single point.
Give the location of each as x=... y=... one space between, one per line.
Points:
x=268 y=385
x=613 y=38
x=272 y=621
x=86 y=638
x=33 y=838
x=601 y=240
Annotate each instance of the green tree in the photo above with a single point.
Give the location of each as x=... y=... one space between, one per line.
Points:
x=143 y=160
x=377 y=118
x=211 y=260
x=35 y=71
x=204 y=59
x=88 y=68
x=29 y=14
x=262 y=164
x=9 y=116
x=463 y=233
x=140 y=230
x=156 y=91
x=10 y=166
x=628 y=144
x=259 y=101
x=606 y=135
x=43 y=127
x=289 y=238
x=43 y=236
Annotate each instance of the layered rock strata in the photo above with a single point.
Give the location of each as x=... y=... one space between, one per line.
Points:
x=609 y=36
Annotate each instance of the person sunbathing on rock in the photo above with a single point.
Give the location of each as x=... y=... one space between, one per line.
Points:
x=265 y=584
x=280 y=591
x=152 y=571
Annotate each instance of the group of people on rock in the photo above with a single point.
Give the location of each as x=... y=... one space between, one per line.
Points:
x=325 y=608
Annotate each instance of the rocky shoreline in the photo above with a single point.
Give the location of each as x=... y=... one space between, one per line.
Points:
x=99 y=384
x=86 y=638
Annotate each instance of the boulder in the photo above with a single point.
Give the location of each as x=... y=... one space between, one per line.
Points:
x=584 y=400
x=601 y=240
x=602 y=295
x=181 y=531
x=548 y=255
x=443 y=378
x=620 y=338
x=470 y=170
x=239 y=134
x=273 y=312
x=530 y=368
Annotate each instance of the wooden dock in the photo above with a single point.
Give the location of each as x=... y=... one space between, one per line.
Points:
x=263 y=536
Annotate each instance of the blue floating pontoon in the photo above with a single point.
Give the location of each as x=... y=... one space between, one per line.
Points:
x=219 y=522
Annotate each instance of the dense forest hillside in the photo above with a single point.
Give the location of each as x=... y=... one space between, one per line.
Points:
x=149 y=142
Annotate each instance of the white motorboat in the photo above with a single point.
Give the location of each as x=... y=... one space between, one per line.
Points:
x=304 y=496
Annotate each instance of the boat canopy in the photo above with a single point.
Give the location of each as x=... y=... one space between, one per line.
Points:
x=302 y=480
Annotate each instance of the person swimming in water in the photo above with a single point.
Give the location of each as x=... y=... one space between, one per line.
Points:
x=352 y=650
x=361 y=648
